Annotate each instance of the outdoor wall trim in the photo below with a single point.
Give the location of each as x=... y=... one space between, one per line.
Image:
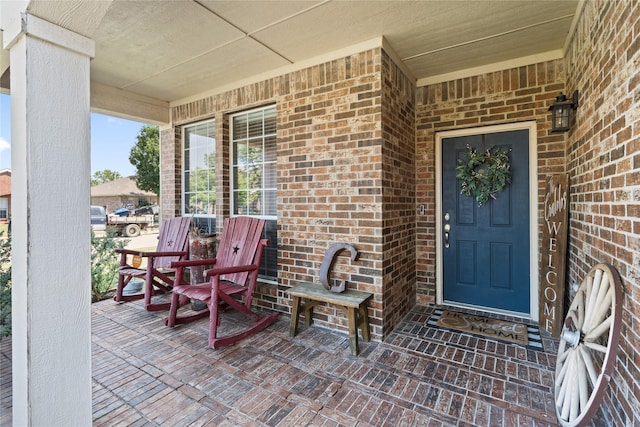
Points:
x=377 y=42
x=492 y=68
x=574 y=25
x=44 y=30
x=128 y=105
x=397 y=60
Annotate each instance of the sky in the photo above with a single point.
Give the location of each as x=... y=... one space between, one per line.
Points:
x=111 y=140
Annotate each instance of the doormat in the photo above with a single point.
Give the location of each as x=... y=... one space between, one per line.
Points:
x=501 y=330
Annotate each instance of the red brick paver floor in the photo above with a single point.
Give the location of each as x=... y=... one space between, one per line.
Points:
x=147 y=374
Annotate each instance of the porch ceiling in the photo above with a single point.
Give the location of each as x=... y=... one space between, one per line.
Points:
x=173 y=50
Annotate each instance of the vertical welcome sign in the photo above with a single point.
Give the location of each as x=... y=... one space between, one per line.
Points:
x=554 y=249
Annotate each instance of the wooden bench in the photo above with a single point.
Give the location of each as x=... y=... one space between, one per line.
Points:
x=354 y=303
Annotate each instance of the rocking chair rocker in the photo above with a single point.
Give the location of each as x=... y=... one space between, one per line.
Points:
x=234 y=273
x=158 y=275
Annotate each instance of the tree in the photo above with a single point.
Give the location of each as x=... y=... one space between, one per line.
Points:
x=145 y=156
x=107 y=175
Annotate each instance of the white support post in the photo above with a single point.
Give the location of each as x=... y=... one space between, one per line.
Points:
x=50 y=147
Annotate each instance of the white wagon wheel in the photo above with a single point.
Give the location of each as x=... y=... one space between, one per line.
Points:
x=588 y=346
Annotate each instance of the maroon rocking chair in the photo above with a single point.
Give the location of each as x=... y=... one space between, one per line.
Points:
x=158 y=274
x=232 y=281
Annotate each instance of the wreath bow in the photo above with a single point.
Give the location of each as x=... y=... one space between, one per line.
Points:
x=483 y=175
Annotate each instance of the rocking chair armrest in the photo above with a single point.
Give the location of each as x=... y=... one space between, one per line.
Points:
x=161 y=254
x=127 y=251
x=230 y=270
x=150 y=254
x=193 y=263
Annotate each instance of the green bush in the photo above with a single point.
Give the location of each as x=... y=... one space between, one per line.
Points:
x=104 y=264
x=5 y=285
x=104 y=272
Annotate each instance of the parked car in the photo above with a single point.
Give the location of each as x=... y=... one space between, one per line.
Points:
x=98 y=218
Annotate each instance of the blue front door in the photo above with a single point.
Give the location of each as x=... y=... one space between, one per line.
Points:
x=486 y=253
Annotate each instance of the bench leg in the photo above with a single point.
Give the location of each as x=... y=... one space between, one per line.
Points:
x=353 y=330
x=308 y=311
x=295 y=312
x=364 y=322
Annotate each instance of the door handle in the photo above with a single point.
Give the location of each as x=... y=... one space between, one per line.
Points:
x=447 y=228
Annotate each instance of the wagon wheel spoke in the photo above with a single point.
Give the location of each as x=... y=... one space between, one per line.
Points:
x=596 y=333
x=588 y=363
x=588 y=346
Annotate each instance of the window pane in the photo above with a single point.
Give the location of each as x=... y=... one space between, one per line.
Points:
x=270 y=121
x=254 y=150
x=270 y=152
x=208 y=204
x=236 y=177
x=270 y=202
x=255 y=202
x=188 y=203
x=270 y=175
x=240 y=127
x=254 y=177
x=187 y=160
x=240 y=153
x=269 y=267
x=4 y=207
x=201 y=158
x=199 y=182
x=240 y=202
x=255 y=124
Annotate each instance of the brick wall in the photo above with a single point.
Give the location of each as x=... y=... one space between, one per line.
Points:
x=398 y=194
x=603 y=157
x=338 y=171
x=513 y=95
x=329 y=174
x=344 y=154
x=170 y=172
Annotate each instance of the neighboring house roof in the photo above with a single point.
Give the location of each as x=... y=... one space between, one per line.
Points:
x=119 y=187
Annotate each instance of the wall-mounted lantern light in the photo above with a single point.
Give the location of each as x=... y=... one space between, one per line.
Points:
x=561 y=112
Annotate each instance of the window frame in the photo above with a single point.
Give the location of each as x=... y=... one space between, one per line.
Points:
x=4 y=208
x=184 y=169
x=270 y=259
x=233 y=164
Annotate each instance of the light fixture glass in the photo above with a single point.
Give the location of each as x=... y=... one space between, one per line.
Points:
x=561 y=112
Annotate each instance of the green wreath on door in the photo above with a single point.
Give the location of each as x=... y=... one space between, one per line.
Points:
x=484 y=175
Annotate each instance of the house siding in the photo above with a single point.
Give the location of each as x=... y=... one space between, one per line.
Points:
x=603 y=160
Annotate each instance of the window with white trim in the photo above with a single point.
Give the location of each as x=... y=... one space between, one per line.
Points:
x=253 y=174
x=254 y=162
x=199 y=179
x=4 y=207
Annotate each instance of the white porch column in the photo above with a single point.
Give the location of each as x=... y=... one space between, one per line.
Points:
x=50 y=147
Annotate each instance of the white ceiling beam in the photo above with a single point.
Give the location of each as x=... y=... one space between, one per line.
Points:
x=128 y=105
